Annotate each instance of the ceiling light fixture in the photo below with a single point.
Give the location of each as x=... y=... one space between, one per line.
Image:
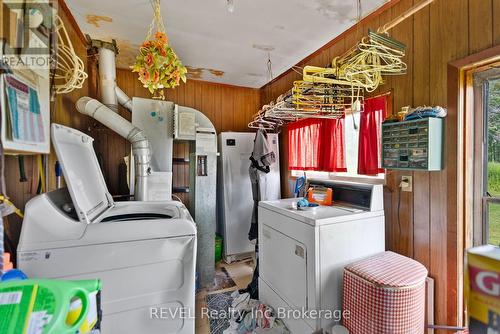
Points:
x=230 y=5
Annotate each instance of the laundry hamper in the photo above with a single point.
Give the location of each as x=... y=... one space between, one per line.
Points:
x=385 y=294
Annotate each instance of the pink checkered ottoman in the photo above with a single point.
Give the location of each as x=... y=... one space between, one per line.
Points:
x=385 y=294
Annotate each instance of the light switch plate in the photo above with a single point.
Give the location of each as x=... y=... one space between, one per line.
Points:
x=407 y=183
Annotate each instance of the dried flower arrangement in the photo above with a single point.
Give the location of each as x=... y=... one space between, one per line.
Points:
x=157 y=64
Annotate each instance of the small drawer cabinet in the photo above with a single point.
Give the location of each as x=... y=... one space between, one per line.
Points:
x=413 y=145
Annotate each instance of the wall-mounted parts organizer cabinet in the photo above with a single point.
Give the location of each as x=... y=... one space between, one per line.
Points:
x=413 y=145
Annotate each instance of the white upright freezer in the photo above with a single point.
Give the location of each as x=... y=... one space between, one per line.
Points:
x=235 y=200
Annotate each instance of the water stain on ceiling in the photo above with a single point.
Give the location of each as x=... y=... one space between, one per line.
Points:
x=207 y=37
x=128 y=51
x=202 y=73
x=194 y=72
x=217 y=73
x=95 y=19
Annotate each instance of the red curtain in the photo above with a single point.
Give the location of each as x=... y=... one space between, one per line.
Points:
x=316 y=145
x=370 y=132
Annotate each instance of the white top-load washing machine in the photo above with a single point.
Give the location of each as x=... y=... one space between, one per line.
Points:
x=302 y=253
x=144 y=252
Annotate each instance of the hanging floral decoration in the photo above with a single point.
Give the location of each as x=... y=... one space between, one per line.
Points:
x=157 y=64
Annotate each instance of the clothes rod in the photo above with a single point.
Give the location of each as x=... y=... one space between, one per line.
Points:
x=404 y=16
x=389 y=92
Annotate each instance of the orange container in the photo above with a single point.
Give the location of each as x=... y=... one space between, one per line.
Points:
x=320 y=195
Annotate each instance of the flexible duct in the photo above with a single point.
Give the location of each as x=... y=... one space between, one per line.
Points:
x=140 y=144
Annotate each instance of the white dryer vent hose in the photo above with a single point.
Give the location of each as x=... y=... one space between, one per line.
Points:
x=140 y=144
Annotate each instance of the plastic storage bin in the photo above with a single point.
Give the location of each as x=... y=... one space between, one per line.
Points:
x=385 y=294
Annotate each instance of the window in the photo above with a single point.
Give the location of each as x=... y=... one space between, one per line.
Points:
x=487 y=171
x=351 y=142
x=492 y=168
x=351 y=147
x=351 y=131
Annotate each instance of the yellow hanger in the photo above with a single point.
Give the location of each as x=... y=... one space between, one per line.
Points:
x=9 y=203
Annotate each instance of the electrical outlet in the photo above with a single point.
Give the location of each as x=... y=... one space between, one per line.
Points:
x=406 y=183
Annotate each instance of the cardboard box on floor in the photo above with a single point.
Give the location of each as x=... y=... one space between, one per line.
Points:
x=483 y=289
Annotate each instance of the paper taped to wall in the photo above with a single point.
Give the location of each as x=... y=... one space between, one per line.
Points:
x=26 y=121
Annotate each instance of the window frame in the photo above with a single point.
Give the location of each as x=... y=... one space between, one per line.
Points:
x=482 y=199
x=459 y=173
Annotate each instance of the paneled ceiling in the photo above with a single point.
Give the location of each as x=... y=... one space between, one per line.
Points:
x=222 y=46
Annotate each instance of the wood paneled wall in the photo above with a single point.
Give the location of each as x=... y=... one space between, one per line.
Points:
x=63 y=112
x=422 y=224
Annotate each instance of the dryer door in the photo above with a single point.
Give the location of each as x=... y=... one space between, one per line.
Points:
x=283 y=266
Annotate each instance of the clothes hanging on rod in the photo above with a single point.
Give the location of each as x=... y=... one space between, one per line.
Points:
x=262 y=158
x=387 y=93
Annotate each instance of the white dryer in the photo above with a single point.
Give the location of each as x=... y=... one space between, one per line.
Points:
x=144 y=252
x=302 y=253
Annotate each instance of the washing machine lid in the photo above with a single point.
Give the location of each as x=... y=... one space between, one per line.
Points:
x=82 y=172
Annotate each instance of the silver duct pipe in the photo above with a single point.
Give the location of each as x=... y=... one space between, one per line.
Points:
x=107 y=77
x=140 y=144
x=123 y=99
x=111 y=94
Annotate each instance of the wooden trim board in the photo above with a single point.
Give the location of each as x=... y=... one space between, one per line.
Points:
x=461 y=206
